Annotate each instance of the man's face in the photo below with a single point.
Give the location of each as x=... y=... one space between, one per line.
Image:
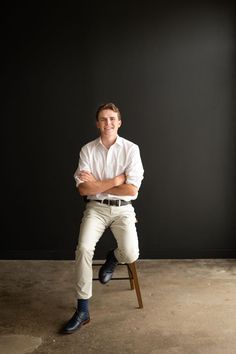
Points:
x=108 y=123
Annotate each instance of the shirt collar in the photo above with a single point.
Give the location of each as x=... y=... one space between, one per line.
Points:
x=118 y=141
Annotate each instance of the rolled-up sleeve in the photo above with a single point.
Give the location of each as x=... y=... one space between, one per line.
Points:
x=83 y=165
x=134 y=171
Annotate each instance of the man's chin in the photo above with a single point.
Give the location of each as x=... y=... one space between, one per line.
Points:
x=109 y=132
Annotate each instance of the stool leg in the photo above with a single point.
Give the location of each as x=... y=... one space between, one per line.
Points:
x=131 y=278
x=135 y=282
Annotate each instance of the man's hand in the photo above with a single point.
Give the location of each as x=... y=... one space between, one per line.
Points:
x=87 y=176
x=120 y=179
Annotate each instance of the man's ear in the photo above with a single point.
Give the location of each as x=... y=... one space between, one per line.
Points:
x=120 y=121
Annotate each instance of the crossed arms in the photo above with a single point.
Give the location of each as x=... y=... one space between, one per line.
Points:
x=115 y=186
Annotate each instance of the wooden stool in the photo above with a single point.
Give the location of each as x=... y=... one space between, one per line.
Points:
x=132 y=277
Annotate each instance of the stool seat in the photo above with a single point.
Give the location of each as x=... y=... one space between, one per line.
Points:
x=132 y=277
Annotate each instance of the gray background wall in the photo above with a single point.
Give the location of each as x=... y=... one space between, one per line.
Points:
x=170 y=67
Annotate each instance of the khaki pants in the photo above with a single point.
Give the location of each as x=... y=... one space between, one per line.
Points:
x=97 y=217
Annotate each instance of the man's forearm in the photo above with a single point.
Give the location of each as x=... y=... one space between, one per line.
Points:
x=123 y=189
x=91 y=186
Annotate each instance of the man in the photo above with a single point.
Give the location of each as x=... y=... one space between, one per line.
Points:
x=109 y=176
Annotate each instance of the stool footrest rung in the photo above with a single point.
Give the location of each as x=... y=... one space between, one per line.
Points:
x=123 y=278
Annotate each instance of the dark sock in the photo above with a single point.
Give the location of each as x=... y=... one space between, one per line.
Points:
x=82 y=305
x=113 y=257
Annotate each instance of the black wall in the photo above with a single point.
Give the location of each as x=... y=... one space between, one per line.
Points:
x=170 y=67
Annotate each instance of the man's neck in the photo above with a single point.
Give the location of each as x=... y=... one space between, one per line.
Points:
x=108 y=141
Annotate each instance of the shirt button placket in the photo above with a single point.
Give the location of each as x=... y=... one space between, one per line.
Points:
x=108 y=164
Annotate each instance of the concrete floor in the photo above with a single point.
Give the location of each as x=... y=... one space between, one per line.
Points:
x=189 y=308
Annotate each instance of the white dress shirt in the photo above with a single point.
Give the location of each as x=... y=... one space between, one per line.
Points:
x=122 y=157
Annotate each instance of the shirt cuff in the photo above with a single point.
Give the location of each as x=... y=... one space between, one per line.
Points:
x=77 y=180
